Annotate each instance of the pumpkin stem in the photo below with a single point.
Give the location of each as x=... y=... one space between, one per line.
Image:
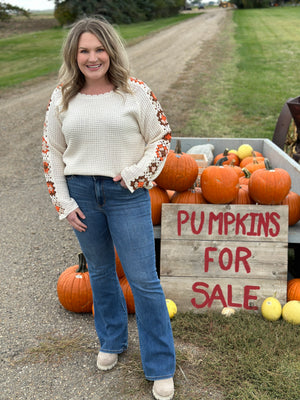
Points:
x=268 y=164
x=225 y=153
x=246 y=172
x=82 y=267
x=178 y=147
x=221 y=161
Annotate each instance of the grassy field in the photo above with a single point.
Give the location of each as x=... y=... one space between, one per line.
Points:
x=30 y=55
x=255 y=72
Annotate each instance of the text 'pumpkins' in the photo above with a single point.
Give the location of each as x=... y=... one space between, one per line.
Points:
x=179 y=172
x=74 y=288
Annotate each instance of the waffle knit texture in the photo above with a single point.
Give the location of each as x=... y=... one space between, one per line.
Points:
x=104 y=135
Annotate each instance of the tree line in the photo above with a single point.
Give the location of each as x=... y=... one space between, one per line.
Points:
x=116 y=11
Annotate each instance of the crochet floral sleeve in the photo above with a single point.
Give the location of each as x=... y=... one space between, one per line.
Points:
x=53 y=146
x=157 y=133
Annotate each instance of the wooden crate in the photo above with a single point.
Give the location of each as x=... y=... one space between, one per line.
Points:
x=278 y=158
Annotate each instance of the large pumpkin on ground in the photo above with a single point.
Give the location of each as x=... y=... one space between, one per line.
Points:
x=158 y=196
x=179 y=172
x=219 y=184
x=74 y=288
x=269 y=186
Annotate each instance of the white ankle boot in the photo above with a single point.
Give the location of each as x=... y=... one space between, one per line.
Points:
x=163 y=389
x=106 y=361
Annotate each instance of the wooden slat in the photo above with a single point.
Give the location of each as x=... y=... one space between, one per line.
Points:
x=187 y=258
x=230 y=222
x=238 y=293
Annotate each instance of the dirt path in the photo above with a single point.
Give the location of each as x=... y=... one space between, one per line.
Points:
x=36 y=247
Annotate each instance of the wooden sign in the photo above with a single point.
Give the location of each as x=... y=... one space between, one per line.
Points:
x=215 y=256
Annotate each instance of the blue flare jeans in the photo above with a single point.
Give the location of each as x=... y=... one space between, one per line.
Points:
x=115 y=217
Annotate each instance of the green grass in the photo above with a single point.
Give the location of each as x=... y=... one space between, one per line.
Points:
x=255 y=73
x=28 y=56
x=244 y=356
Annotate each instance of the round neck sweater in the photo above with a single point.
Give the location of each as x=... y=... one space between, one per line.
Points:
x=104 y=135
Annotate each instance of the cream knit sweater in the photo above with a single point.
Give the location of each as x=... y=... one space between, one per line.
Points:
x=108 y=134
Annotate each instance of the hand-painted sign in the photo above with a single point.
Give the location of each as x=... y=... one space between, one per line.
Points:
x=215 y=256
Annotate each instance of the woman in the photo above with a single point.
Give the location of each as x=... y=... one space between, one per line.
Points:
x=105 y=140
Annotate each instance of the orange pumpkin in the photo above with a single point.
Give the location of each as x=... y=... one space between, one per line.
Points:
x=190 y=196
x=158 y=196
x=231 y=157
x=119 y=268
x=219 y=184
x=293 y=201
x=269 y=186
x=236 y=168
x=242 y=196
x=74 y=288
x=179 y=172
x=247 y=160
x=254 y=165
x=128 y=295
x=293 y=289
x=170 y=193
x=244 y=180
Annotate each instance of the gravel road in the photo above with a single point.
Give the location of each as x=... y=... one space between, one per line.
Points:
x=36 y=247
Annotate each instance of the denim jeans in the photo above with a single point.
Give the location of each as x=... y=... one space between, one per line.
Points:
x=117 y=217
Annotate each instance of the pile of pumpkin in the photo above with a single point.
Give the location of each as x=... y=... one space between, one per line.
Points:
x=74 y=288
x=75 y=293
x=242 y=176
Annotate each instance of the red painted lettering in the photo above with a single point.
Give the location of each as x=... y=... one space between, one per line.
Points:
x=240 y=258
x=196 y=289
x=193 y=217
x=217 y=294
x=263 y=222
x=240 y=224
x=182 y=218
x=229 y=298
x=273 y=218
x=208 y=259
x=252 y=231
x=212 y=218
x=248 y=297
x=229 y=257
x=229 y=218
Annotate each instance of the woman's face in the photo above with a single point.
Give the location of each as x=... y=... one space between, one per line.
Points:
x=92 y=59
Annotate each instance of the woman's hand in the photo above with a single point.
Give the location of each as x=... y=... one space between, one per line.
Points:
x=74 y=219
x=119 y=178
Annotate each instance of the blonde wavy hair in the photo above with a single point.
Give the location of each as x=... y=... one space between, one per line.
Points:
x=71 y=77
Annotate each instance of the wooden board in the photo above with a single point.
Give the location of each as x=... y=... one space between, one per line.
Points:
x=214 y=256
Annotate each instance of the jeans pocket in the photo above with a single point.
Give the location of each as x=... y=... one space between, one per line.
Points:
x=70 y=177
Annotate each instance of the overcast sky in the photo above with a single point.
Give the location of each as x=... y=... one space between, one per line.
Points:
x=32 y=4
